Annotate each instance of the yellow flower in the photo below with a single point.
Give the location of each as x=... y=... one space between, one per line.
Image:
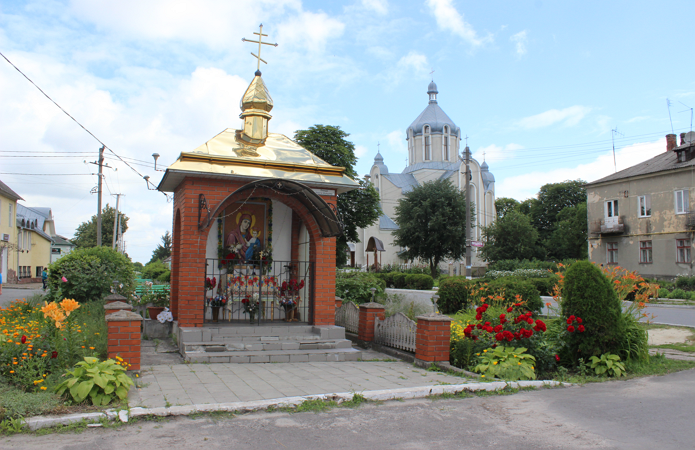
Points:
x=11 y=371
x=484 y=351
x=519 y=363
x=43 y=388
x=494 y=363
x=483 y=376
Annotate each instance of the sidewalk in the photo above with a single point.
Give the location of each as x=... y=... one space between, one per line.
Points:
x=201 y=384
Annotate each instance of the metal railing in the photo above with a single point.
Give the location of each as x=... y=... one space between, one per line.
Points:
x=253 y=292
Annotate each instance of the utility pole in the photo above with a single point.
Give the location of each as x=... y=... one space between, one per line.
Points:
x=116 y=222
x=101 y=174
x=468 y=213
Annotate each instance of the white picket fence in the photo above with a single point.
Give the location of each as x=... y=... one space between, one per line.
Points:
x=396 y=331
x=348 y=317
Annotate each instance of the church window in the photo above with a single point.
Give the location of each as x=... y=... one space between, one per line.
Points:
x=445 y=142
x=428 y=143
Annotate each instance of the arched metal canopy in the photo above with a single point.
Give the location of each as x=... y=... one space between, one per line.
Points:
x=375 y=245
x=325 y=214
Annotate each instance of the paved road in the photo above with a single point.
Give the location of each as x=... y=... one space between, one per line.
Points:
x=10 y=294
x=638 y=414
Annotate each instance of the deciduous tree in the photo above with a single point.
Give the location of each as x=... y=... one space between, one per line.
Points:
x=86 y=233
x=511 y=237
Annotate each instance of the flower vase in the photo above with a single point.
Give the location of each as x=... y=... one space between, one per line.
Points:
x=251 y=317
x=215 y=313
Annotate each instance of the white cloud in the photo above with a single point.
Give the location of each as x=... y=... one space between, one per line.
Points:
x=449 y=19
x=519 y=39
x=414 y=62
x=569 y=117
x=360 y=150
x=493 y=152
x=380 y=7
x=396 y=141
x=527 y=185
x=310 y=30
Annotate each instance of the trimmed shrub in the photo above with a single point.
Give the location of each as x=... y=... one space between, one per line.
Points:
x=663 y=293
x=420 y=282
x=678 y=294
x=90 y=274
x=685 y=282
x=355 y=286
x=516 y=286
x=399 y=280
x=544 y=285
x=453 y=294
x=588 y=294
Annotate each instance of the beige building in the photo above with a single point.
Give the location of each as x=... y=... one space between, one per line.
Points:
x=433 y=153
x=33 y=244
x=8 y=233
x=640 y=219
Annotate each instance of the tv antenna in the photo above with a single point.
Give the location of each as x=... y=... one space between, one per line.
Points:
x=668 y=105
x=613 y=133
x=691 y=113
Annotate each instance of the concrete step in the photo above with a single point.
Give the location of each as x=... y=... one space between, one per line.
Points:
x=220 y=338
x=265 y=345
x=278 y=356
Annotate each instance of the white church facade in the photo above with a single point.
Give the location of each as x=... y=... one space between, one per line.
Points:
x=433 y=153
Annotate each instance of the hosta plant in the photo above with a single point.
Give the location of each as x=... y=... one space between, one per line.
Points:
x=508 y=363
x=101 y=381
x=608 y=364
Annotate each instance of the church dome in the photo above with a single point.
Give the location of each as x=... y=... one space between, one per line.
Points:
x=256 y=96
x=379 y=162
x=434 y=116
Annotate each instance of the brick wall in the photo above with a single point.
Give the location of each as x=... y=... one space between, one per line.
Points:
x=433 y=337
x=124 y=337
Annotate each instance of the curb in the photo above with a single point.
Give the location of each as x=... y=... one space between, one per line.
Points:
x=39 y=422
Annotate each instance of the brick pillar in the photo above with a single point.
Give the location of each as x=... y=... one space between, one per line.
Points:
x=368 y=314
x=124 y=337
x=116 y=306
x=338 y=302
x=433 y=337
x=115 y=298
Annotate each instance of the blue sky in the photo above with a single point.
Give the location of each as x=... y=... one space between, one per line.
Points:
x=535 y=85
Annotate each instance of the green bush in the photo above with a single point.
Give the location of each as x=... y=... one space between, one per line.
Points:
x=685 y=282
x=100 y=381
x=663 y=293
x=516 y=264
x=399 y=280
x=156 y=270
x=678 y=294
x=388 y=277
x=90 y=274
x=634 y=343
x=453 y=294
x=588 y=294
x=516 y=286
x=544 y=285
x=355 y=286
x=420 y=282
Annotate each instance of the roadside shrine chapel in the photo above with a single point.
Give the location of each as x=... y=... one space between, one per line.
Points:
x=255 y=222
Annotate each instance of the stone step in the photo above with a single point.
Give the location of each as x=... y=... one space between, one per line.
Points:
x=265 y=345
x=254 y=330
x=279 y=356
x=264 y=338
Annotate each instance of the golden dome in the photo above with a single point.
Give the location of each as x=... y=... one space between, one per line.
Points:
x=257 y=96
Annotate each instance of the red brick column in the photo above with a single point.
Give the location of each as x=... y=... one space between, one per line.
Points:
x=116 y=306
x=338 y=302
x=433 y=337
x=368 y=314
x=124 y=337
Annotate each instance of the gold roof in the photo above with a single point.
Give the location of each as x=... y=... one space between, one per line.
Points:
x=226 y=156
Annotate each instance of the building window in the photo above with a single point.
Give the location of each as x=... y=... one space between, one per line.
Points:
x=645 y=205
x=428 y=143
x=612 y=253
x=681 y=199
x=645 y=252
x=9 y=222
x=445 y=142
x=683 y=250
x=20 y=235
x=39 y=269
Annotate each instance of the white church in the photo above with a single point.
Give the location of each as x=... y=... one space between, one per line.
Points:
x=433 y=154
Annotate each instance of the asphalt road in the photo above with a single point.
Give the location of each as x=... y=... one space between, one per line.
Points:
x=10 y=294
x=638 y=414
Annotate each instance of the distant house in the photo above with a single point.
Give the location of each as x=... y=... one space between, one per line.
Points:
x=639 y=218
x=8 y=233
x=33 y=245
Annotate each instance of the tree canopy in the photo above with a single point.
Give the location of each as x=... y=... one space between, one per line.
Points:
x=358 y=208
x=86 y=233
x=505 y=204
x=553 y=198
x=431 y=223
x=511 y=237
x=163 y=250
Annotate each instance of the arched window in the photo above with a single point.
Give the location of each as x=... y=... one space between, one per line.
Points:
x=428 y=143
x=445 y=142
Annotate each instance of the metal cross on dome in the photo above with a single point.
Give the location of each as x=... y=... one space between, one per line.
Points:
x=259 y=42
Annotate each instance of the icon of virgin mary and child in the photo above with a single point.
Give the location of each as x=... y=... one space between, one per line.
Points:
x=244 y=240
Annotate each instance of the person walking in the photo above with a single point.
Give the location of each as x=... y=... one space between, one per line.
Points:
x=44 y=278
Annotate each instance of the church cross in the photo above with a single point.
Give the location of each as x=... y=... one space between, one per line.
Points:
x=432 y=75
x=259 y=42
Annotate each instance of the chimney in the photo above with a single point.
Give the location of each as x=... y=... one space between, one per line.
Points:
x=682 y=138
x=671 y=142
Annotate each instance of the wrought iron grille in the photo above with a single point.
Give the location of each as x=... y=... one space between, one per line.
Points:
x=258 y=292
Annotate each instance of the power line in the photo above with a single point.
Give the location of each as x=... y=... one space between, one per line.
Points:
x=48 y=174
x=80 y=125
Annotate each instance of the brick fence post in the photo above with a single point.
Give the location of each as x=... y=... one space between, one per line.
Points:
x=116 y=306
x=338 y=302
x=368 y=314
x=124 y=337
x=433 y=337
x=111 y=298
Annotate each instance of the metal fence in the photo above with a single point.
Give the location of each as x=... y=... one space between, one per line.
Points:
x=348 y=317
x=397 y=331
x=258 y=292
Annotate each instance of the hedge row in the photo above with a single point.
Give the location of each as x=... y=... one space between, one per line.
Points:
x=454 y=292
x=401 y=280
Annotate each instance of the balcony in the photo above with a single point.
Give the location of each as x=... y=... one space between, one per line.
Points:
x=611 y=226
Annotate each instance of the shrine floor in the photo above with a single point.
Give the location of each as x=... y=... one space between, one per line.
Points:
x=165 y=383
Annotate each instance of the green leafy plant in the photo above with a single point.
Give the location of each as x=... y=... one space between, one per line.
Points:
x=508 y=363
x=100 y=380
x=356 y=286
x=608 y=364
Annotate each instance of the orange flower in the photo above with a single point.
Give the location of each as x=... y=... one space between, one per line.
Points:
x=69 y=305
x=48 y=308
